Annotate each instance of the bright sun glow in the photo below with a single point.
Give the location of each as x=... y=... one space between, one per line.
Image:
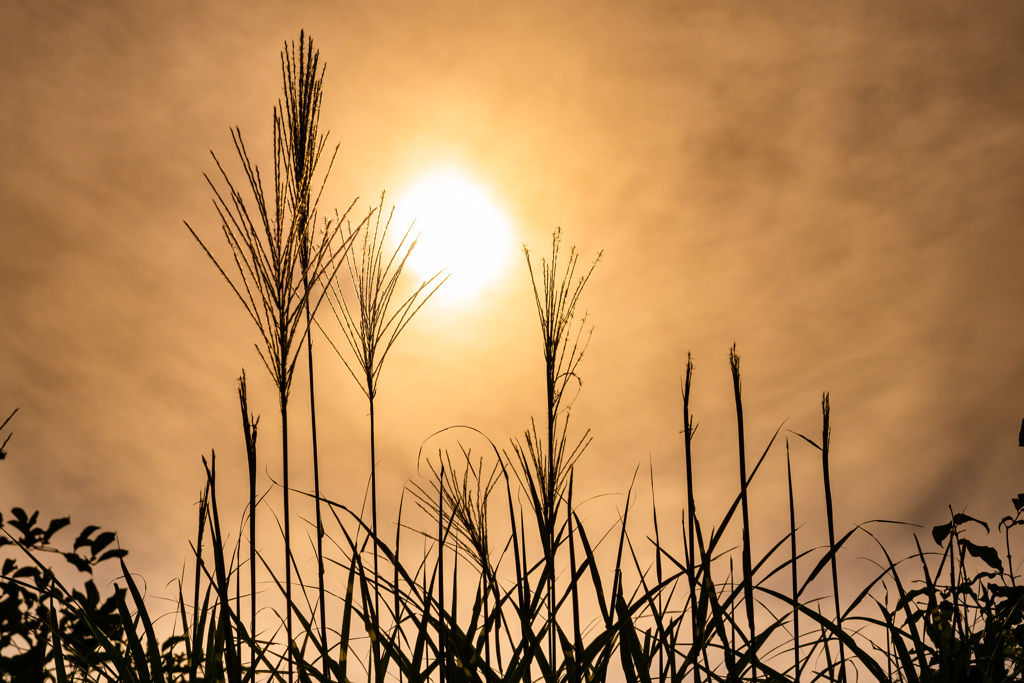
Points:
x=460 y=230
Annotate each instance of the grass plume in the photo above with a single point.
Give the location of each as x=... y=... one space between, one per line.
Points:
x=272 y=246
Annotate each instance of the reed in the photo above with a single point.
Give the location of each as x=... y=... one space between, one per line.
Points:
x=250 y=426
x=794 y=578
x=371 y=319
x=544 y=466
x=273 y=248
x=547 y=598
x=637 y=635
x=303 y=93
x=748 y=578
x=826 y=437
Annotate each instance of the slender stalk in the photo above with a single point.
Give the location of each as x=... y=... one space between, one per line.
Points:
x=290 y=604
x=373 y=505
x=397 y=607
x=659 y=573
x=442 y=639
x=321 y=592
x=748 y=578
x=453 y=613
x=793 y=573
x=303 y=84
x=225 y=617
x=691 y=512
x=826 y=432
x=274 y=252
x=732 y=607
x=371 y=325
x=303 y=87
x=249 y=427
x=547 y=466
x=577 y=642
x=521 y=581
x=956 y=565
x=203 y=511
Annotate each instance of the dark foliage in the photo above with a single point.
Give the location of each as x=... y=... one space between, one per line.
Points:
x=31 y=595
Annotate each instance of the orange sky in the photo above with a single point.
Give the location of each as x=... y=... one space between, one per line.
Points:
x=838 y=188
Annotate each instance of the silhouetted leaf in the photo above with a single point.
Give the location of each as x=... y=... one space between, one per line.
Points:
x=26 y=571
x=92 y=593
x=940 y=532
x=83 y=538
x=960 y=519
x=55 y=526
x=102 y=541
x=984 y=553
x=1018 y=502
x=117 y=552
x=21 y=521
x=80 y=563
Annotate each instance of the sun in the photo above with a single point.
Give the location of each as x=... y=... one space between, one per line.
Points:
x=460 y=230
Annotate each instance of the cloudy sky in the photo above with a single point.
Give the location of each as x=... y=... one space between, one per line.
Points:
x=836 y=188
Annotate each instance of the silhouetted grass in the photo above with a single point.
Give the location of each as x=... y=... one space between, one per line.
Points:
x=676 y=619
x=371 y=321
x=273 y=248
x=506 y=584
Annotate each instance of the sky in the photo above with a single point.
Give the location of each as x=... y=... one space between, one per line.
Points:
x=836 y=188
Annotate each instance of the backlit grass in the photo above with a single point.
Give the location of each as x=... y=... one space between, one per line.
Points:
x=497 y=578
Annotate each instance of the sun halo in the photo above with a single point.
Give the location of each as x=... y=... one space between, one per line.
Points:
x=459 y=229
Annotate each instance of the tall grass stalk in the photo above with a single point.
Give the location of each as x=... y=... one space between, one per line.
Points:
x=576 y=669
x=274 y=254
x=546 y=465
x=826 y=433
x=227 y=621
x=197 y=579
x=748 y=578
x=691 y=514
x=442 y=636
x=303 y=91
x=795 y=614
x=250 y=426
x=371 y=320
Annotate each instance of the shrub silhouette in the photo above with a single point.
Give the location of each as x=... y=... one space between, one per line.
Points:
x=31 y=595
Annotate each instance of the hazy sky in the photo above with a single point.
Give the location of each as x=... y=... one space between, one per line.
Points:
x=837 y=188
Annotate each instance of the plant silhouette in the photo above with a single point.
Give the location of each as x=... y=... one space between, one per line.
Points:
x=274 y=249
x=549 y=598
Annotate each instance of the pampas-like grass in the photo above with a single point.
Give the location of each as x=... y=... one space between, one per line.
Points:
x=640 y=610
x=370 y=320
x=274 y=250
